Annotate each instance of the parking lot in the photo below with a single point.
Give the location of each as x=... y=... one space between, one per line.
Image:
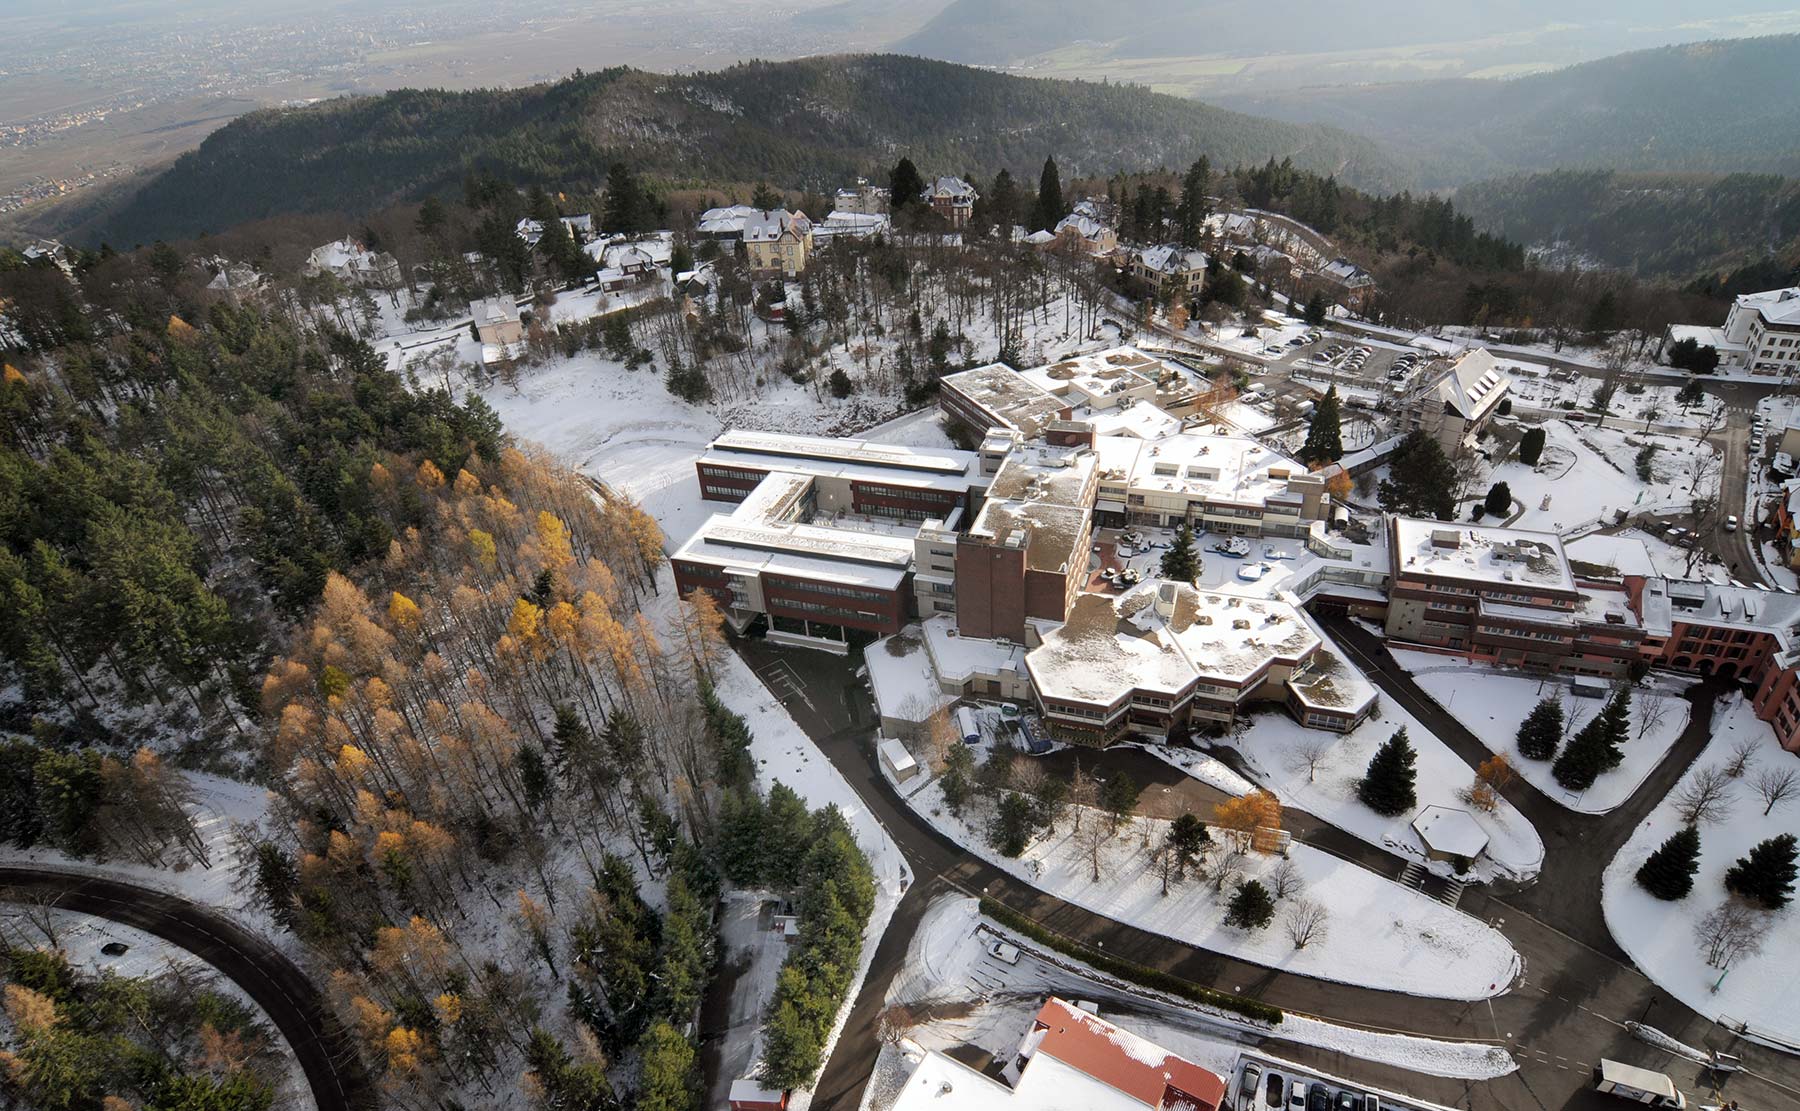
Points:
x=1270 y=1084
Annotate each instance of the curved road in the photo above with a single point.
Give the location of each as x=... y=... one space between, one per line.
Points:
x=330 y=1063
x=1567 y=1011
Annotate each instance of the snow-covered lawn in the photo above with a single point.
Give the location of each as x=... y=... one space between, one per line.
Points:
x=1759 y=989
x=947 y=963
x=1382 y=935
x=1587 y=473
x=1278 y=749
x=1493 y=703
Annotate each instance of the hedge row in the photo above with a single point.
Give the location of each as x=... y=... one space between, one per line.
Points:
x=1126 y=970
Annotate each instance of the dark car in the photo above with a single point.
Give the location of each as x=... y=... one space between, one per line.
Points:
x=114 y=948
x=1274 y=1091
x=1318 y=1097
x=1347 y=1101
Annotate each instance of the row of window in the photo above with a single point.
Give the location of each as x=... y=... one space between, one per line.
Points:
x=714 y=471
x=1519 y=634
x=830 y=588
x=821 y=608
x=733 y=493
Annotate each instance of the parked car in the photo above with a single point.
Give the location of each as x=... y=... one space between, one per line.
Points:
x=1249 y=1081
x=1003 y=951
x=1346 y=1101
x=1318 y=1097
x=1297 y=1096
x=114 y=948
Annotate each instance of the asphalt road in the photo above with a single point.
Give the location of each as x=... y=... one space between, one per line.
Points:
x=278 y=986
x=1565 y=1013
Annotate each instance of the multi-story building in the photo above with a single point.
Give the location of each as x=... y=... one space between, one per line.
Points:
x=862 y=199
x=997 y=396
x=1166 y=656
x=1172 y=272
x=817 y=584
x=1085 y=235
x=1455 y=403
x=1025 y=554
x=824 y=538
x=497 y=321
x=1346 y=283
x=953 y=199
x=1507 y=596
x=778 y=243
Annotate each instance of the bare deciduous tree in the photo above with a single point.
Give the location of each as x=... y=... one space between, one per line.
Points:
x=1284 y=879
x=1731 y=930
x=1307 y=920
x=893 y=1022
x=1227 y=864
x=1309 y=754
x=1652 y=711
x=1093 y=841
x=1706 y=798
x=1776 y=786
x=1743 y=754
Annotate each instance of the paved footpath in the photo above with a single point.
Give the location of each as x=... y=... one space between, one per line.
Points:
x=1565 y=1014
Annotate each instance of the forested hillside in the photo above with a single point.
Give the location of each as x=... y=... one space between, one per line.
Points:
x=1658 y=225
x=813 y=124
x=1710 y=106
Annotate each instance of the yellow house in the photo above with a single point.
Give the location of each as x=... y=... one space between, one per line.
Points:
x=778 y=243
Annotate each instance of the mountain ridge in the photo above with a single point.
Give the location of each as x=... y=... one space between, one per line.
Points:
x=813 y=123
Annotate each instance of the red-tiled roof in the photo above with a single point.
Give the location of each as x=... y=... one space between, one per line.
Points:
x=1123 y=1060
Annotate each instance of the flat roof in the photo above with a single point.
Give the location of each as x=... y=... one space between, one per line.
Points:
x=1448 y=830
x=782 y=445
x=1479 y=553
x=1015 y=399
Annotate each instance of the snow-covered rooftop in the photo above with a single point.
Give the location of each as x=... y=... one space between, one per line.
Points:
x=1446 y=830
x=1487 y=554
x=1162 y=637
x=1472 y=385
x=1346 y=273
x=1231 y=469
x=1777 y=306
x=1172 y=260
x=1008 y=395
x=767 y=227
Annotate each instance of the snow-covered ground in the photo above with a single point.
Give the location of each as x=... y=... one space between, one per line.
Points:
x=1382 y=934
x=220 y=807
x=1655 y=405
x=962 y=996
x=1493 y=703
x=1278 y=749
x=1588 y=473
x=1758 y=989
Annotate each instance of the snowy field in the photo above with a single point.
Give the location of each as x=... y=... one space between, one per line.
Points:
x=964 y=997
x=1759 y=988
x=1588 y=473
x=1278 y=750
x=1493 y=703
x=1382 y=935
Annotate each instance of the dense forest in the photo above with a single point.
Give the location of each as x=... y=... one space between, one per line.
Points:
x=1666 y=226
x=232 y=537
x=1703 y=107
x=812 y=124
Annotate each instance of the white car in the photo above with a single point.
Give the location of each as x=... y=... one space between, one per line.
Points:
x=1731 y=523
x=1003 y=951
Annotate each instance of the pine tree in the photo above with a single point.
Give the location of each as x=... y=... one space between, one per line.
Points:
x=905 y=186
x=1010 y=830
x=1190 y=216
x=1541 y=730
x=1498 y=502
x=1049 y=211
x=764 y=197
x=1002 y=200
x=1388 y=787
x=1423 y=480
x=786 y=834
x=1669 y=872
x=1324 y=438
x=1531 y=446
x=1179 y=563
x=1251 y=908
x=1615 y=724
x=1317 y=308
x=741 y=821
x=1765 y=875
x=1584 y=758
x=668 y=1078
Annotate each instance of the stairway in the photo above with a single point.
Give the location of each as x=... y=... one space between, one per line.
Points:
x=1413 y=875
